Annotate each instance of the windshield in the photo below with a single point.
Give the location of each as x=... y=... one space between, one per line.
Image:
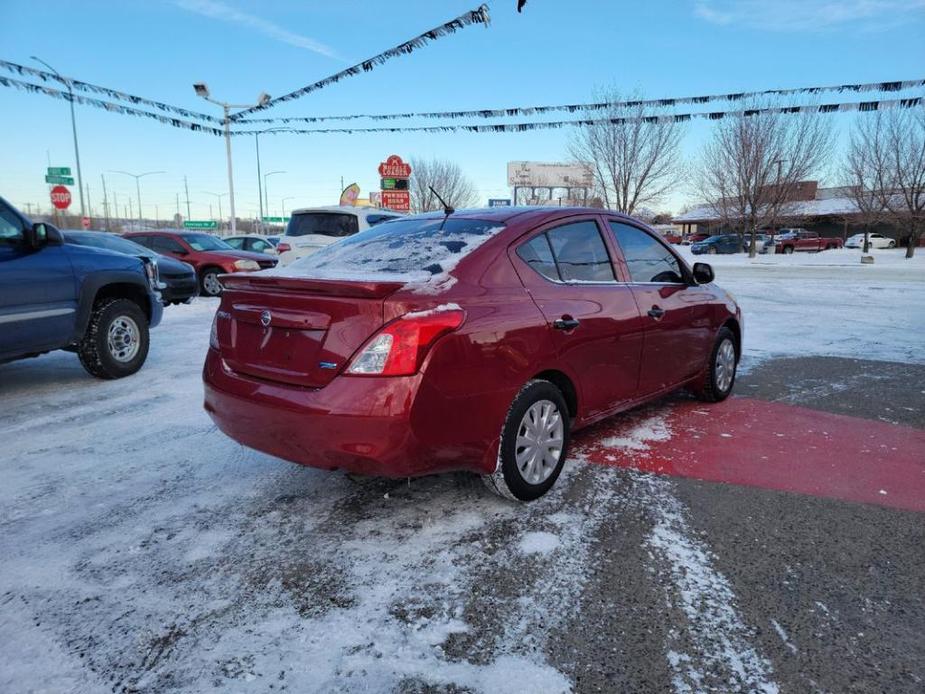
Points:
x=204 y=242
x=111 y=242
x=408 y=250
x=337 y=224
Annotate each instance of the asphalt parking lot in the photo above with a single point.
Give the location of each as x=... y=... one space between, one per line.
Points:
x=771 y=544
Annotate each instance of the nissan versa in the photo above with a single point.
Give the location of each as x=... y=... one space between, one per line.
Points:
x=477 y=340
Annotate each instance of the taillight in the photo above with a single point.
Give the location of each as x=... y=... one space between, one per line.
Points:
x=283 y=247
x=400 y=347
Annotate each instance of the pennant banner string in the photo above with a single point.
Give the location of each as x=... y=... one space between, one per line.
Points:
x=863 y=106
x=601 y=106
x=80 y=86
x=477 y=16
x=108 y=106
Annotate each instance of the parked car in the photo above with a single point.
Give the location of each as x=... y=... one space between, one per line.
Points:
x=97 y=303
x=724 y=243
x=252 y=242
x=791 y=240
x=209 y=255
x=764 y=243
x=178 y=282
x=474 y=341
x=696 y=237
x=874 y=241
x=312 y=228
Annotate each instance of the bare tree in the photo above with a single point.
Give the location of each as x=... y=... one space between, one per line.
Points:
x=904 y=135
x=447 y=178
x=865 y=169
x=634 y=154
x=751 y=168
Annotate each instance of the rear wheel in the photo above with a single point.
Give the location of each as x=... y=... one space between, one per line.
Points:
x=891 y=244
x=116 y=341
x=712 y=250
x=209 y=283
x=721 y=370
x=534 y=443
x=788 y=249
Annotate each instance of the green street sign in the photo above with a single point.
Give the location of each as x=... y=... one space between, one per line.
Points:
x=200 y=224
x=59 y=170
x=278 y=220
x=60 y=180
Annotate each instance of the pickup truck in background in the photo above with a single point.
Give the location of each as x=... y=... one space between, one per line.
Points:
x=95 y=302
x=792 y=240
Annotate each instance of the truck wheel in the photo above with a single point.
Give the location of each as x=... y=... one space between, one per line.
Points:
x=721 y=371
x=209 y=283
x=116 y=341
x=534 y=443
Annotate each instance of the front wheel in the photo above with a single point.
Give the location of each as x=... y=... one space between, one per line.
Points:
x=788 y=250
x=721 y=370
x=891 y=244
x=712 y=251
x=116 y=342
x=534 y=443
x=209 y=281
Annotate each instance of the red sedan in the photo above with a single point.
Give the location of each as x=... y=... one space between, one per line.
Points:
x=472 y=341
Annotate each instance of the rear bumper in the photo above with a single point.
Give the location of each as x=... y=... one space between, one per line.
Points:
x=372 y=426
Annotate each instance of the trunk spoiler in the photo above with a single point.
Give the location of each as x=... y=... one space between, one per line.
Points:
x=368 y=289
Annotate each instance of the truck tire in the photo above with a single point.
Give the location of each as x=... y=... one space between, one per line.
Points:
x=208 y=281
x=539 y=421
x=721 y=370
x=116 y=342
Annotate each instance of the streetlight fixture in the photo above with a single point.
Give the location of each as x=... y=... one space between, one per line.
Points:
x=219 y=196
x=70 y=92
x=266 y=193
x=283 y=205
x=259 y=177
x=202 y=90
x=137 y=178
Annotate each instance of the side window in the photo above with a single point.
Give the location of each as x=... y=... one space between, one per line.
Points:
x=146 y=241
x=164 y=244
x=10 y=228
x=647 y=259
x=259 y=246
x=580 y=253
x=235 y=243
x=537 y=254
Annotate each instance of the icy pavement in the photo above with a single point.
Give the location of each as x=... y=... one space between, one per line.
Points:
x=144 y=551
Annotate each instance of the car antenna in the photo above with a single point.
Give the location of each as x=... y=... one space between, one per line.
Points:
x=447 y=210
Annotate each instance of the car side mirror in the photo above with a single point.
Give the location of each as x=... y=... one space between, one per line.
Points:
x=703 y=273
x=36 y=236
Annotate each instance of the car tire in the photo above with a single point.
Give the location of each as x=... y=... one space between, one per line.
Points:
x=788 y=250
x=519 y=475
x=712 y=251
x=117 y=340
x=208 y=281
x=721 y=370
x=891 y=244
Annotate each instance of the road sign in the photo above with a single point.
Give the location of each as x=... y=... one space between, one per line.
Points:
x=60 y=180
x=59 y=171
x=398 y=200
x=85 y=222
x=60 y=197
x=499 y=202
x=394 y=167
x=277 y=220
x=200 y=224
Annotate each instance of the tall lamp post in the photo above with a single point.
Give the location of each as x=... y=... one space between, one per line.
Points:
x=70 y=92
x=203 y=91
x=266 y=193
x=283 y=205
x=259 y=177
x=219 y=196
x=137 y=178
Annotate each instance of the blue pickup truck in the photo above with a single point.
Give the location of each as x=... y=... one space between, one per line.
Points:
x=94 y=302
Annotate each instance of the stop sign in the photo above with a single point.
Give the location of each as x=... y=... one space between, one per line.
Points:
x=85 y=222
x=60 y=197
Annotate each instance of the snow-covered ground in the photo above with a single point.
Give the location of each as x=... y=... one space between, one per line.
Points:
x=144 y=551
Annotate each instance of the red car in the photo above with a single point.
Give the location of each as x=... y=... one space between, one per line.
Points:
x=209 y=255
x=473 y=341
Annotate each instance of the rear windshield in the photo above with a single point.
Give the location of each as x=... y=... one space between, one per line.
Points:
x=405 y=250
x=334 y=224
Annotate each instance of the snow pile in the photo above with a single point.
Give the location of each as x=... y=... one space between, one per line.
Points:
x=651 y=429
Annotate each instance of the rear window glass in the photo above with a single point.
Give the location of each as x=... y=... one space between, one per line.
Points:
x=402 y=250
x=323 y=224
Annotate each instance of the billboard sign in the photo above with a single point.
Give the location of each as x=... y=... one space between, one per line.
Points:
x=398 y=200
x=394 y=167
x=549 y=174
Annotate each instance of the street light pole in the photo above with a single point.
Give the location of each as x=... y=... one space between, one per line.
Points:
x=70 y=92
x=138 y=178
x=203 y=91
x=259 y=179
x=283 y=205
x=219 y=196
x=266 y=190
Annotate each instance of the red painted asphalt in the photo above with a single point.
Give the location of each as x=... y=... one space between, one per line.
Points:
x=771 y=445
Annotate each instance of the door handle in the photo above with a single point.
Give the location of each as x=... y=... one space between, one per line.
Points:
x=656 y=312
x=565 y=323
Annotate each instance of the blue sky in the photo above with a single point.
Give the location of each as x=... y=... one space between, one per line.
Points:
x=555 y=52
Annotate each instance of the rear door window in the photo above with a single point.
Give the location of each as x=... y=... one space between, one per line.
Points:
x=334 y=224
x=538 y=255
x=580 y=253
x=647 y=258
x=235 y=243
